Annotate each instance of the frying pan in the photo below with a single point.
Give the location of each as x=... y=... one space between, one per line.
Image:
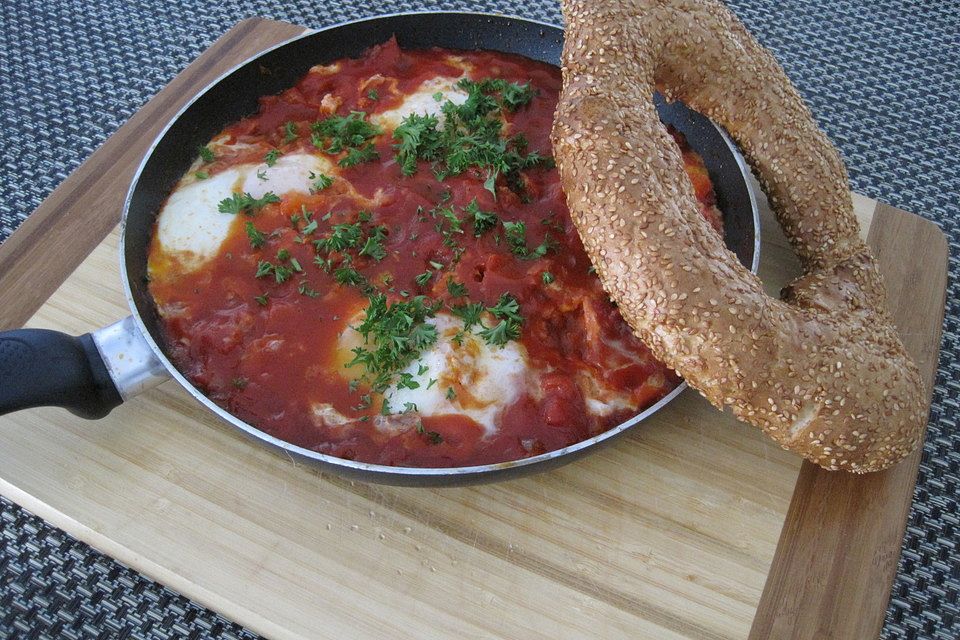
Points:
x=93 y=373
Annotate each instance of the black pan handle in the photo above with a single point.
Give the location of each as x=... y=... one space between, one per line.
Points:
x=39 y=367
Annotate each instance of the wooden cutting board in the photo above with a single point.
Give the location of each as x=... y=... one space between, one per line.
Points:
x=691 y=526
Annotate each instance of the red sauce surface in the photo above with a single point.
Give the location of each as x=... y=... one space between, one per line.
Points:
x=267 y=364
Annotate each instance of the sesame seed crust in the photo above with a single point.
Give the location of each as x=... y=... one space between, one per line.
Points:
x=822 y=371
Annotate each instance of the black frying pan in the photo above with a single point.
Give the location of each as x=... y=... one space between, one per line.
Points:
x=93 y=373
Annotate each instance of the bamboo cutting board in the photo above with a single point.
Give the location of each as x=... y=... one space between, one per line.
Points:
x=691 y=526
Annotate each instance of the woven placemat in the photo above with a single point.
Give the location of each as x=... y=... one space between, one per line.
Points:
x=882 y=78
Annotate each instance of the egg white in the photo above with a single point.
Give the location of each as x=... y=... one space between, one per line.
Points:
x=190 y=224
x=494 y=376
x=422 y=102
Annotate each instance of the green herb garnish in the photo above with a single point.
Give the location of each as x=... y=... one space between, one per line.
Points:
x=394 y=335
x=281 y=273
x=470 y=313
x=257 y=239
x=432 y=436
x=424 y=278
x=351 y=133
x=271 y=157
x=508 y=310
x=456 y=289
x=418 y=138
x=342 y=236
x=359 y=155
x=244 y=202
x=305 y=289
x=319 y=182
x=482 y=220
x=501 y=333
x=470 y=136
x=373 y=247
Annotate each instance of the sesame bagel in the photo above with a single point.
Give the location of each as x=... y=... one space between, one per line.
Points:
x=822 y=371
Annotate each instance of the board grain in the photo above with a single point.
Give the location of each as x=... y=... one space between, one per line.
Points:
x=691 y=526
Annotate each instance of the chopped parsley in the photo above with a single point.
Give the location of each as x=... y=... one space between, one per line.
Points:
x=482 y=220
x=470 y=136
x=547 y=277
x=205 y=154
x=432 y=436
x=424 y=278
x=306 y=290
x=516 y=95
x=470 y=313
x=456 y=289
x=417 y=137
x=507 y=310
x=202 y=175
x=290 y=132
x=507 y=307
x=359 y=155
x=319 y=182
x=373 y=95
x=342 y=236
x=262 y=299
x=257 y=239
x=245 y=203
x=352 y=133
x=501 y=333
x=406 y=381
x=373 y=247
x=451 y=394
x=282 y=274
x=271 y=157
x=449 y=225
x=516 y=235
x=394 y=334
x=348 y=276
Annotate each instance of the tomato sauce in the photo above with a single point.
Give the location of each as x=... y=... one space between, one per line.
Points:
x=268 y=352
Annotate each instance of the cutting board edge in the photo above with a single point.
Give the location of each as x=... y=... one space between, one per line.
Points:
x=785 y=610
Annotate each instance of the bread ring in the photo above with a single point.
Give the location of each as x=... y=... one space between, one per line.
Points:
x=822 y=372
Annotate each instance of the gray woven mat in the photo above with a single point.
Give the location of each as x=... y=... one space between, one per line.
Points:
x=882 y=78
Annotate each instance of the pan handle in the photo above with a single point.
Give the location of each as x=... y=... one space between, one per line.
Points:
x=89 y=374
